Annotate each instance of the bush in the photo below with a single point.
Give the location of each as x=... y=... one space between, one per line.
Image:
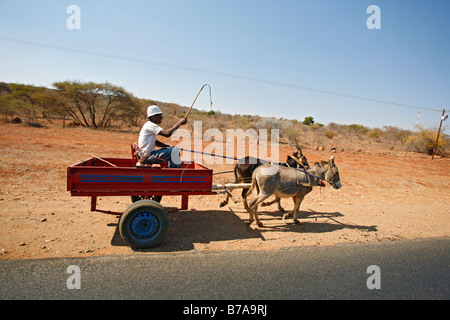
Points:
x=293 y=134
x=376 y=134
x=308 y=121
x=423 y=142
x=330 y=134
x=357 y=129
x=393 y=134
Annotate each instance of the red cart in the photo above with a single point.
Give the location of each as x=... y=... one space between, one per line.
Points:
x=143 y=223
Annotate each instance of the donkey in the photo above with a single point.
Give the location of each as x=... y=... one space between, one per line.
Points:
x=289 y=182
x=243 y=173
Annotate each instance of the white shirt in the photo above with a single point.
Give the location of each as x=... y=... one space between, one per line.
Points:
x=147 y=138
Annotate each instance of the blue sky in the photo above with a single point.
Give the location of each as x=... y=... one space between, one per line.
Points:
x=258 y=56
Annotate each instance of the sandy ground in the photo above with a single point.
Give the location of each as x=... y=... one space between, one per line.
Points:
x=385 y=197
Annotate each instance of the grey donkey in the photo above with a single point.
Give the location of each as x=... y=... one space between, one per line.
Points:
x=284 y=182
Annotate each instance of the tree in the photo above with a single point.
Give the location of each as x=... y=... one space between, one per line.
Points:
x=394 y=134
x=358 y=129
x=134 y=112
x=24 y=98
x=308 y=121
x=293 y=134
x=94 y=104
x=5 y=100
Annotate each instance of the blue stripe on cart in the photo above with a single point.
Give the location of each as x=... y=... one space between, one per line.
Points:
x=176 y=179
x=106 y=178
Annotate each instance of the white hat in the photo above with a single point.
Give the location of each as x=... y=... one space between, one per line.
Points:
x=152 y=110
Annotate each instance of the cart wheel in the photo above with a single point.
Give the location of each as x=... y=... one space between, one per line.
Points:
x=137 y=198
x=143 y=224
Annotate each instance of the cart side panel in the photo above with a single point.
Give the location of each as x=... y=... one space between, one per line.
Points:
x=107 y=179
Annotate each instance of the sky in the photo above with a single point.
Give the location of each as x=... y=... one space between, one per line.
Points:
x=285 y=59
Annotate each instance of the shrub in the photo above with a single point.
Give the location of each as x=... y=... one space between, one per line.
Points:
x=330 y=134
x=423 y=141
x=357 y=129
x=308 y=121
x=293 y=134
x=376 y=134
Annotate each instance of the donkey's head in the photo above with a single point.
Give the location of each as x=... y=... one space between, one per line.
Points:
x=298 y=160
x=329 y=172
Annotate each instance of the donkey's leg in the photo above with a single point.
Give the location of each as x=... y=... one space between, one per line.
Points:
x=254 y=207
x=250 y=211
x=279 y=204
x=298 y=198
x=277 y=201
x=290 y=214
x=298 y=202
x=244 y=197
x=225 y=202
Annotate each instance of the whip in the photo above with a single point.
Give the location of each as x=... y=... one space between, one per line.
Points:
x=210 y=99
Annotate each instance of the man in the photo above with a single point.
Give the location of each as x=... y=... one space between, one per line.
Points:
x=148 y=140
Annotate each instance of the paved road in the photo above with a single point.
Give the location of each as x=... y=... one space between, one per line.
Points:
x=408 y=270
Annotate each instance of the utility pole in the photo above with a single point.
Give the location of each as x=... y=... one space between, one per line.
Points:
x=443 y=118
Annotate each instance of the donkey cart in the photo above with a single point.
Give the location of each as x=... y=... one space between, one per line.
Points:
x=144 y=223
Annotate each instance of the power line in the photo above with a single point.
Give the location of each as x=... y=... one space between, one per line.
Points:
x=205 y=71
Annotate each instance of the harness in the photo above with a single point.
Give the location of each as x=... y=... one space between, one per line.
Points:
x=319 y=179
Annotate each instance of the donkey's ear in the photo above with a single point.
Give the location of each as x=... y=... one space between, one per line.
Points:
x=332 y=159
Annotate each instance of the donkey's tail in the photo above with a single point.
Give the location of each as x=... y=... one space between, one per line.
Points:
x=253 y=186
x=236 y=174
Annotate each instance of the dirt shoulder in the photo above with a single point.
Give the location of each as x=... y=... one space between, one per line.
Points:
x=385 y=197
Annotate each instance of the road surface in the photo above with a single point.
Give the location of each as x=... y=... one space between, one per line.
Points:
x=410 y=269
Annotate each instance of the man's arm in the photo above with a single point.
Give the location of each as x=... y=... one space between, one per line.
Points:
x=161 y=144
x=168 y=132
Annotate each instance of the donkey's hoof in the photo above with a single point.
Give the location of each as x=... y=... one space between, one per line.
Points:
x=222 y=204
x=296 y=221
x=263 y=204
x=260 y=224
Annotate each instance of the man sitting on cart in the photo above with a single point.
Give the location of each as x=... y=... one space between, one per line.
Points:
x=148 y=140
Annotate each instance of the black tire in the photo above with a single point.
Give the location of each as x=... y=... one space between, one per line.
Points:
x=143 y=224
x=154 y=198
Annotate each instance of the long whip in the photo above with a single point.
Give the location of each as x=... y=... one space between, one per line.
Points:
x=210 y=99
